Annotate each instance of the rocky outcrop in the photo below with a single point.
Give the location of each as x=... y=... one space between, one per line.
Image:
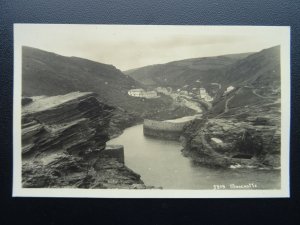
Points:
x=230 y=142
x=66 y=170
x=73 y=123
x=64 y=144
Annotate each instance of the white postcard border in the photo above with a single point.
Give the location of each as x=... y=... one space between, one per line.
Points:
x=19 y=191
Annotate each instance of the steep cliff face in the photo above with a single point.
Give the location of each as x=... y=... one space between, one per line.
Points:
x=64 y=144
x=72 y=122
x=243 y=127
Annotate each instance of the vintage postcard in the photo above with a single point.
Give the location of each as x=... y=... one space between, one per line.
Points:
x=140 y=111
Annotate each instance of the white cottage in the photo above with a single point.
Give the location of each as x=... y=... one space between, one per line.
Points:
x=229 y=89
x=141 y=93
x=136 y=92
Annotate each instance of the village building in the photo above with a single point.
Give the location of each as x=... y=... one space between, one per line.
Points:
x=135 y=92
x=195 y=90
x=141 y=93
x=202 y=93
x=205 y=96
x=164 y=90
x=184 y=92
x=229 y=89
x=150 y=94
x=208 y=98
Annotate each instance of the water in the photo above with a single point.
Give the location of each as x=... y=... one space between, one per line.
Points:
x=161 y=164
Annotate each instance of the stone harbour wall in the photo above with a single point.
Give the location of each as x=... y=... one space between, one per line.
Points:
x=163 y=129
x=164 y=125
x=113 y=151
x=169 y=135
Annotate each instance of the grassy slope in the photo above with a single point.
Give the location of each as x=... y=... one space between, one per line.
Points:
x=257 y=79
x=179 y=73
x=46 y=73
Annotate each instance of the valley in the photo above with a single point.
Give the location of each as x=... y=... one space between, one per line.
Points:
x=75 y=111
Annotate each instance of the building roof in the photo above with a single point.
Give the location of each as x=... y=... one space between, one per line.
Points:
x=139 y=89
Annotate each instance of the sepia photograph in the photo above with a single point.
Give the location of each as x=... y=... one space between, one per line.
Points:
x=151 y=111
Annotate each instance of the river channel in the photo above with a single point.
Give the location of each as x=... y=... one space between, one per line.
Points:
x=161 y=164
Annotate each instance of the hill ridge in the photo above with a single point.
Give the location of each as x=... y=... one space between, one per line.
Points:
x=71 y=57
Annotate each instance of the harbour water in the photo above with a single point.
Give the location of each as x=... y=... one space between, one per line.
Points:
x=161 y=164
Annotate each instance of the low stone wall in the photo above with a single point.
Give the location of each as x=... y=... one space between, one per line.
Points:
x=164 y=125
x=114 y=151
x=169 y=135
x=163 y=129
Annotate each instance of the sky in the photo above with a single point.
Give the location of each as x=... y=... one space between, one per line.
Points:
x=133 y=46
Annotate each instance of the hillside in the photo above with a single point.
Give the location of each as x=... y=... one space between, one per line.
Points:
x=256 y=78
x=46 y=73
x=180 y=73
x=259 y=69
x=243 y=126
